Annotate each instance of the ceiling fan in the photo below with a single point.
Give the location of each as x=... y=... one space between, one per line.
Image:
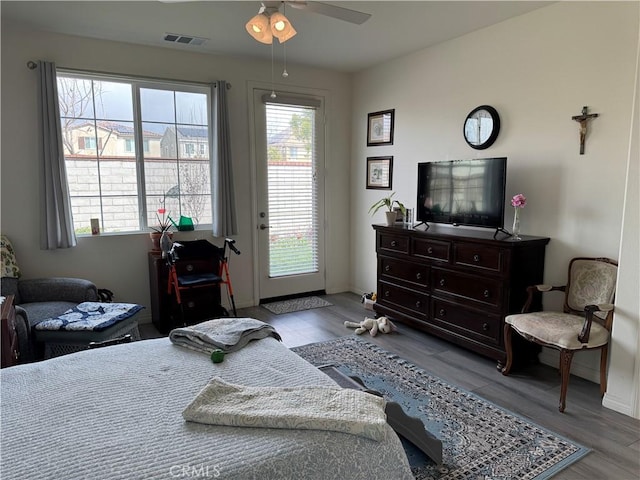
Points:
x=341 y=13
x=269 y=22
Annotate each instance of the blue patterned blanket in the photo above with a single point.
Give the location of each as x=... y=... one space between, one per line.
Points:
x=90 y=316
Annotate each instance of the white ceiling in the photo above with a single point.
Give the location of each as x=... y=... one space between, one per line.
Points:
x=396 y=28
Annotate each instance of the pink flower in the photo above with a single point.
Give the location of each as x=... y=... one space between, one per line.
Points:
x=519 y=201
x=164 y=223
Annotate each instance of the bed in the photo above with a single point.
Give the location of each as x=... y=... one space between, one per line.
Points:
x=116 y=413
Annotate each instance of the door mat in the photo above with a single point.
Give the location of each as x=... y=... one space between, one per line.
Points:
x=296 y=305
x=480 y=440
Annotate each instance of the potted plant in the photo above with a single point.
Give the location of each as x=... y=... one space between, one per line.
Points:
x=389 y=203
x=164 y=225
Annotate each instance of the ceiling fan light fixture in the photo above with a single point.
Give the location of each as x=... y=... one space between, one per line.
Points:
x=258 y=27
x=281 y=27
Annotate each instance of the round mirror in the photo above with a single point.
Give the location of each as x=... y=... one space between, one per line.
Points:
x=481 y=127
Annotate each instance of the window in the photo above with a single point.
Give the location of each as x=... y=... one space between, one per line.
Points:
x=103 y=119
x=87 y=143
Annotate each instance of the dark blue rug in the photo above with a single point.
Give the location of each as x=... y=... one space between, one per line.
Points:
x=480 y=439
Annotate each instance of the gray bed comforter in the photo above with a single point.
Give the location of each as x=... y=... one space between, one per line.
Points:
x=116 y=413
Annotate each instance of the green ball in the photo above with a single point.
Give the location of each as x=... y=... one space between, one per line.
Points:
x=217 y=356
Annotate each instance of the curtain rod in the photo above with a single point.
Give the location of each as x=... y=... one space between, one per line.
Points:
x=31 y=65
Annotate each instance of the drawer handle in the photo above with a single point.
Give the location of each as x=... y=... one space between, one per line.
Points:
x=387 y=268
x=486 y=293
x=387 y=293
x=393 y=243
x=476 y=258
x=442 y=282
x=418 y=304
x=442 y=312
x=485 y=326
x=418 y=276
x=430 y=250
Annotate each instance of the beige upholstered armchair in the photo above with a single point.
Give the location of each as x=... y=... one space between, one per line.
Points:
x=585 y=323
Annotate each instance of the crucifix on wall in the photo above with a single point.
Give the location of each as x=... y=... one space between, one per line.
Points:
x=583 y=119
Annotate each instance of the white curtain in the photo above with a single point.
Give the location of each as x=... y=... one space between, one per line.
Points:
x=56 y=221
x=224 y=205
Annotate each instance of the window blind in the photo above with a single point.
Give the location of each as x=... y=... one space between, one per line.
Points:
x=292 y=186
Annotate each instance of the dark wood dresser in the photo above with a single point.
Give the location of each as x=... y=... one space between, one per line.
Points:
x=458 y=284
x=196 y=306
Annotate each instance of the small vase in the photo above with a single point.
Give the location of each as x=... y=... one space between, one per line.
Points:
x=515 y=230
x=155 y=241
x=391 y=218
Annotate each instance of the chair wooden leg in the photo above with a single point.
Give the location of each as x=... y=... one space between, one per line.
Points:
x=565 y=367
x=603 y=369
x=507 y=346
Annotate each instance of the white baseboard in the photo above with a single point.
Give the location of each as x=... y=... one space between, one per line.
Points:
x=617 y=404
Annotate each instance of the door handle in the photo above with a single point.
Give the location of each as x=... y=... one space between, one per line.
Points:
x=263 y=226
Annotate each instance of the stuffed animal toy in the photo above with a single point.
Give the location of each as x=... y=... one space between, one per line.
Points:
x=372 y=325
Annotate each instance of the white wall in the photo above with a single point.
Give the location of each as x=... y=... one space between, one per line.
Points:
x=623 y=393
x=537 y=70
x=120 y=262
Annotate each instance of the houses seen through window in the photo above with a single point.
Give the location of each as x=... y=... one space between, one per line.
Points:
x=124 y=186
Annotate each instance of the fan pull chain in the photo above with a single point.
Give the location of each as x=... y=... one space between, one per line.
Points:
x=285 y=74
x=273 y=91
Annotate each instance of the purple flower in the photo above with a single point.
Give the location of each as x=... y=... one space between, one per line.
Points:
x=519 y=201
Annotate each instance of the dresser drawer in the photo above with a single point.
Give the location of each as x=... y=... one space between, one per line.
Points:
x=195 y=266
x=478 y=256
x=486 y=291
x=431 y=249
x=403 y=298
x=412 y=272
x=199 y=304
x=393 y=243
x=480 y=326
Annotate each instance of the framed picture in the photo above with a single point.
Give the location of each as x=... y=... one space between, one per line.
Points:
x=379 y=172
x=380 y=128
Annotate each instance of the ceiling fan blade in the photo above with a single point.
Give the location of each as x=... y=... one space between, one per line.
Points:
x=341 y=13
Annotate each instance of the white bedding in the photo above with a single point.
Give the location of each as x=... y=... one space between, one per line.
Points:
x=336 y=409
x=116 y=413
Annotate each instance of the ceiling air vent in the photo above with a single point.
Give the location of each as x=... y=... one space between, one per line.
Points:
x=184 y=39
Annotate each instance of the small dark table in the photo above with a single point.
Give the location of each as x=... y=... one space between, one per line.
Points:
x=10 y=349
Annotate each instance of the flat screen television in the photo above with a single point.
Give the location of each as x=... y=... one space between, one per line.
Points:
x=462 y=192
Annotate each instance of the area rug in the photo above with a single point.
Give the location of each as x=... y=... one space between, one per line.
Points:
x=296 y=304
x=480 y=439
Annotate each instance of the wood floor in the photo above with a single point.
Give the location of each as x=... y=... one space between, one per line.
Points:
x=532 y=393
